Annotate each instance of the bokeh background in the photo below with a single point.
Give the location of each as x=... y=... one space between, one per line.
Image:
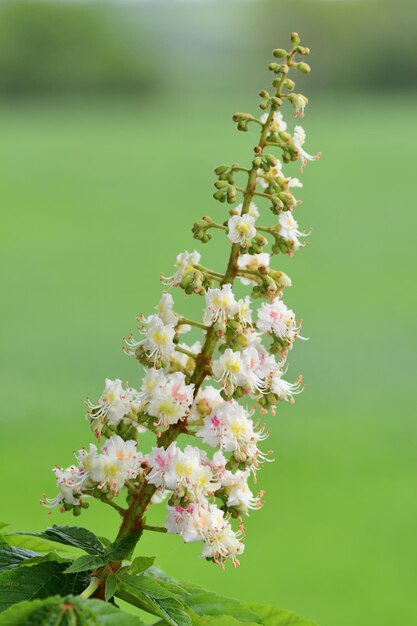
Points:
x=112 y=118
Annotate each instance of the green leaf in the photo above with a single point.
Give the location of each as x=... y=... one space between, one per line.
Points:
x=85 y=562
x=154 y=597
x=3 y=525
x=71 y=536
x=122 y=548
x=31 y=543
x=149 y=585
x=13 y=557
x=111 y=584
x=38 y=581
x=141 y=564
x=208 y=603
x=71 y=610
x=272 y=616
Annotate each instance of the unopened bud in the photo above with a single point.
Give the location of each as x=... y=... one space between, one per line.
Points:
x=295 y=39
x=274 y=67
x=304 y=68
x=289 y=84
x=279 y=53
x=221 y=169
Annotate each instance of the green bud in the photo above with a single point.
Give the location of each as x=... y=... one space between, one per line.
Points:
x=257 y=161
x=67 y=506
x=284 y=136
x=76 y=511
x=284 y=69
x=279 y=53
x=264 y=94
x=304 y=68
x=302 y=50
x=221 y=169
x=273 y=67
x=276 y=82
x=295 y=39
x=276 y=102
x=85 y=505
x=221 y=184
x=264 y=105
x=286 y=156
x=289 y=84
x=219 y=195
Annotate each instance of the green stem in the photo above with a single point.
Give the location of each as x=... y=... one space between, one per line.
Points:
x=184 y=320
x=88 y=592
x=187 y=352
x=155 y=529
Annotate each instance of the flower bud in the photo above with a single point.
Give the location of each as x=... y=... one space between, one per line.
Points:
x=264 y=105
x=284 y=69
x=221 y=169
x=279 y=53
x=304 y=68
x=295 y=39
x=274 y=67
x=289 y=84
x=257 y=161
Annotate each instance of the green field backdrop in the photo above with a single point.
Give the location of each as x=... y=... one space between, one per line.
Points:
x=98 y=197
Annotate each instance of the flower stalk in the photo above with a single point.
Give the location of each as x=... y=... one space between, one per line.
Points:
x=207 y=494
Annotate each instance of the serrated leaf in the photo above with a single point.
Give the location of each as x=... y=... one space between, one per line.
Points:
x=122 y=548
x=33 y=543
x=68 y=610
x=149 y=585
x=38 y=581
x=141 y=564
x=141 y=592
x=272 y=616
x=208 y=603
x=13 y=557
x=85 y=563
x=111 y=584
x=71 y=536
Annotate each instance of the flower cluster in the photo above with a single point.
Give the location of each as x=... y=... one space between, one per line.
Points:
x=242 y=355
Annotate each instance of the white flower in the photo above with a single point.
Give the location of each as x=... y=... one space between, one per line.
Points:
x=184 y=261
x=158 y=343
x=278 y=319
x=69 y=482
x=241 y=228
x=220 y=304
x=253 y=210
x=159 y=460
x=277 y=122
x=165 y=309
x=289 y=229
x=229 y=368
x=221 y=542
x=253 y=262
x=245 y=313
x=153 y=380
x=299 y=102
x=113 y=404
x=283 y=389
x=298 y=140
x=184 y=522
x=171 y=403
x=119 y=460
x=231 y=429
x=207 y=400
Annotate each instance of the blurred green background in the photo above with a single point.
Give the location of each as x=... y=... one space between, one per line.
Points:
x=112 y=118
